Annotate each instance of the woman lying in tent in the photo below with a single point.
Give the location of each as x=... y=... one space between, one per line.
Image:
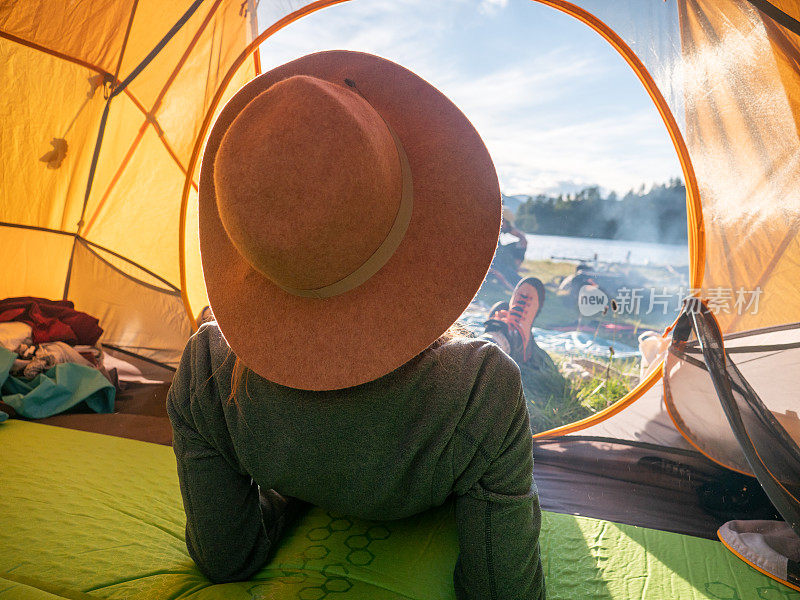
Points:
x=325 y=188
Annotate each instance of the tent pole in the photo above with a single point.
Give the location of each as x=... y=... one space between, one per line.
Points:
x=69 y=268
x=121 y=87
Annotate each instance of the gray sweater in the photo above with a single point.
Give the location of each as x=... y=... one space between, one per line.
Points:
x=452 y=422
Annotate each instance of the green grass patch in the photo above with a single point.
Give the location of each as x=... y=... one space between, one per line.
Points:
x=554 y=400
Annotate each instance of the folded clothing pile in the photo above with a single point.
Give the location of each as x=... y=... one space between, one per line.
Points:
x=48 y=359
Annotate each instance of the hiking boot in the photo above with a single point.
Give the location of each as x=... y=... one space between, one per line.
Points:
x=496 y=329
x=498 y=315
x=526 y=301
x=497 y=307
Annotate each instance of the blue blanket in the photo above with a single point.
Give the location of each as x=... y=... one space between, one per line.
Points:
x=58 y=389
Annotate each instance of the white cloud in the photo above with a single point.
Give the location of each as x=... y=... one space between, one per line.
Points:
x=527 y=108
x=390 y=28
x=614 y=153
x=490 y=7
x=522 y=85
x=539 y=146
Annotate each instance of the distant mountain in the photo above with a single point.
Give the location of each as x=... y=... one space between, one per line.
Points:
x=514 y=202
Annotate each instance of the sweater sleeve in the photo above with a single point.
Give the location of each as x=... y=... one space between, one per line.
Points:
x=497 y=506
x=231 y=525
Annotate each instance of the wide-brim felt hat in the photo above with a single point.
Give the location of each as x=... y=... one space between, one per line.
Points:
x=348 y=215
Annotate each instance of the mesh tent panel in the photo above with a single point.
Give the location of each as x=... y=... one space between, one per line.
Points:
x=769 y=448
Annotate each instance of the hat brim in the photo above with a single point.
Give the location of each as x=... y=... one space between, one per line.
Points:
x=363 y=334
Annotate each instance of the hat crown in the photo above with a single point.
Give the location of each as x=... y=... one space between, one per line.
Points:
x=308 y=182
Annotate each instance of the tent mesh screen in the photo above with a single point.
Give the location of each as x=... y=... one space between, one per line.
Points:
x=771 y=453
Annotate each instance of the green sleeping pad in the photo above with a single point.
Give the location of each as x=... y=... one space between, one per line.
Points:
x=93 y=516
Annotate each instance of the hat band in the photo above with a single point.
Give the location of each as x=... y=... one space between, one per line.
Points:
x=387 y=248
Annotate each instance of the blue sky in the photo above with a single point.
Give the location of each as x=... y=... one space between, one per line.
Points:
x=557 y=107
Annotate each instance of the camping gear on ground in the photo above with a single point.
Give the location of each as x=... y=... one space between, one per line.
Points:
x=55 y=390
x=652 y=347
x=582 y=344
x=45 y=356
x=608 y=281
x=392 y=174
x=41 y=375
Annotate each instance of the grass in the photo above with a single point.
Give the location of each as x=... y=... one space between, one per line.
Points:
x=555 y=400
x=572 y=400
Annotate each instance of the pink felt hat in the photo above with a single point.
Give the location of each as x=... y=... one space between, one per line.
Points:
x=348 y=215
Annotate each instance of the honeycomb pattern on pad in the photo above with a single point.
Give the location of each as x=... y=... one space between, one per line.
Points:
x=99 y=515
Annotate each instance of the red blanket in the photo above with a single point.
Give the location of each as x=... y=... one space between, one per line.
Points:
x=52 y=320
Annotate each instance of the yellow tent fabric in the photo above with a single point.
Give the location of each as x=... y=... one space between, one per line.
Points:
x=742 y=92
x=113 y=251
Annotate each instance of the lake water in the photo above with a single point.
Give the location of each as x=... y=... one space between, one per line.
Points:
x=544 y=247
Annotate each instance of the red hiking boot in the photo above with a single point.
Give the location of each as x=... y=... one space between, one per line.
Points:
x=526 y=302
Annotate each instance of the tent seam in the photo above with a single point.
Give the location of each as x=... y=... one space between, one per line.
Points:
x=56 y=53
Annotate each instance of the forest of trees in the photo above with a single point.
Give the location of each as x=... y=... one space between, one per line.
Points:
x=656 y=215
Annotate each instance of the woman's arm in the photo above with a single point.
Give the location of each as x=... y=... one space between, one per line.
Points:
x=498 y=516
x=225 y=534
x=231 y=526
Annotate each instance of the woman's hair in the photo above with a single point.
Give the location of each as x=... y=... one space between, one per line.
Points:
x=456 y=331
x=239 y=371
